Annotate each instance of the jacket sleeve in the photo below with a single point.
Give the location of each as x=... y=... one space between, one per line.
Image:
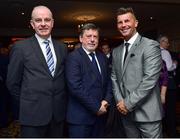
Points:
x=15 y=71
x=115 y=84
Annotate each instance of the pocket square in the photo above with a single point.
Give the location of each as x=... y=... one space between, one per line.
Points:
x=132 y=55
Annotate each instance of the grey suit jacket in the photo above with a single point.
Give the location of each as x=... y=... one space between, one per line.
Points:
x=136 y=82
x=41 y=95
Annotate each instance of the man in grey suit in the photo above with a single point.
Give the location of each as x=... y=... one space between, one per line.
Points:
x=134 y=79
x=36 y=78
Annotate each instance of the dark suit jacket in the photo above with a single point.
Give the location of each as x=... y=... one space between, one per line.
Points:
x=86 y=91
x=41 y=95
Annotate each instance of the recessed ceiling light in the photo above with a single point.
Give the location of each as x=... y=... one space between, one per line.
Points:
x=86 y=16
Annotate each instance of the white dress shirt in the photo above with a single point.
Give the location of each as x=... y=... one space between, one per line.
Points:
x=130 y=41
x=88 y=53
x=43 y=48
x=167 y=58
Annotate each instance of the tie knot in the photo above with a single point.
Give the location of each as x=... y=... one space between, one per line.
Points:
x=46 y=41
x=92 y=54
x=126 y=44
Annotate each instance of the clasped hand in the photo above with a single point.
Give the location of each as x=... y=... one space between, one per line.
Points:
x=121 y=107
x=103 y=108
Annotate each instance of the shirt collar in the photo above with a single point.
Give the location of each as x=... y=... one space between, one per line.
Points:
x=132 y=39
x=41 y=40
x=87 y=52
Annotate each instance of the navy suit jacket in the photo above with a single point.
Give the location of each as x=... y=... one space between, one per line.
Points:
x=41 y=95
x=86 y=91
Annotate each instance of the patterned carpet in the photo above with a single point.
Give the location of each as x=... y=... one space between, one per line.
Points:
x=12 y=131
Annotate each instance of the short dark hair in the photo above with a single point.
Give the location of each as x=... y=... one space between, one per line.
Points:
x=123 y=10
x=105 y=43
x=88 y=26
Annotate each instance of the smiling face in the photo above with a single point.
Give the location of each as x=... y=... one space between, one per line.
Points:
x=90 y=39
x=42 y=21
x=127 y=24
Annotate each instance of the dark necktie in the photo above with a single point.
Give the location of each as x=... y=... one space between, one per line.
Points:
x=49 y=60
x=94 y=63
x=126 y=45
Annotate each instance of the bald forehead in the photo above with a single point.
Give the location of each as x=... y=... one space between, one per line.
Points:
x=41 y=9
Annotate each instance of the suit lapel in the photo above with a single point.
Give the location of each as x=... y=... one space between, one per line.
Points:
x=134 y=46
x=58 y=56
x=101 y=64
x=86 y=58
x=88 y=62
x=118 y=57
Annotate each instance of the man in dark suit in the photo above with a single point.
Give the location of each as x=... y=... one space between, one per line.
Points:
x=4 y=95
x=36 y=77
x=89 y=86
x=136 y=67
x=107 y=51
x=113 y=121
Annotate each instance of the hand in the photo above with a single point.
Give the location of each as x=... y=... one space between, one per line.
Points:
x=122 y=108
x=104 y=103
x=163 y=99
x=175 y=62
x=103 y=108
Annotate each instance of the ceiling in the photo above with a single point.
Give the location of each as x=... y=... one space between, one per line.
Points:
x=160 y=16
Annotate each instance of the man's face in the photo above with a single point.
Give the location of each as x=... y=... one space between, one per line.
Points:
x=164 y=42
x=90 y=40
x=105 y=49
x=42 y=22
x=127 y=24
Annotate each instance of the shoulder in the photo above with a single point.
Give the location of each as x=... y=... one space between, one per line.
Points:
x=164 y=51
x=150 y=42
x=21 y=45
x=61 y=44
x=56 y=42
x=116 y=49
x=23 y=42
x=101 y=54
x=74 y=54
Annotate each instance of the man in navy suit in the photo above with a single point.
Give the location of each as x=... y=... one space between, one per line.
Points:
x=89 y=85
x=36 y=78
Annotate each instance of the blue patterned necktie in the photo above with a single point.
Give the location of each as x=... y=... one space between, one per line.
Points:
x=94 y=63
x=49 y=60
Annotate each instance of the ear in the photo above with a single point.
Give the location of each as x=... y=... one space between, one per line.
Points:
x=80 y=38
x=52 y=22
x=32 y=24
x=136 y=23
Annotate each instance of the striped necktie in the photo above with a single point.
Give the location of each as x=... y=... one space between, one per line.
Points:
x=49 y=60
